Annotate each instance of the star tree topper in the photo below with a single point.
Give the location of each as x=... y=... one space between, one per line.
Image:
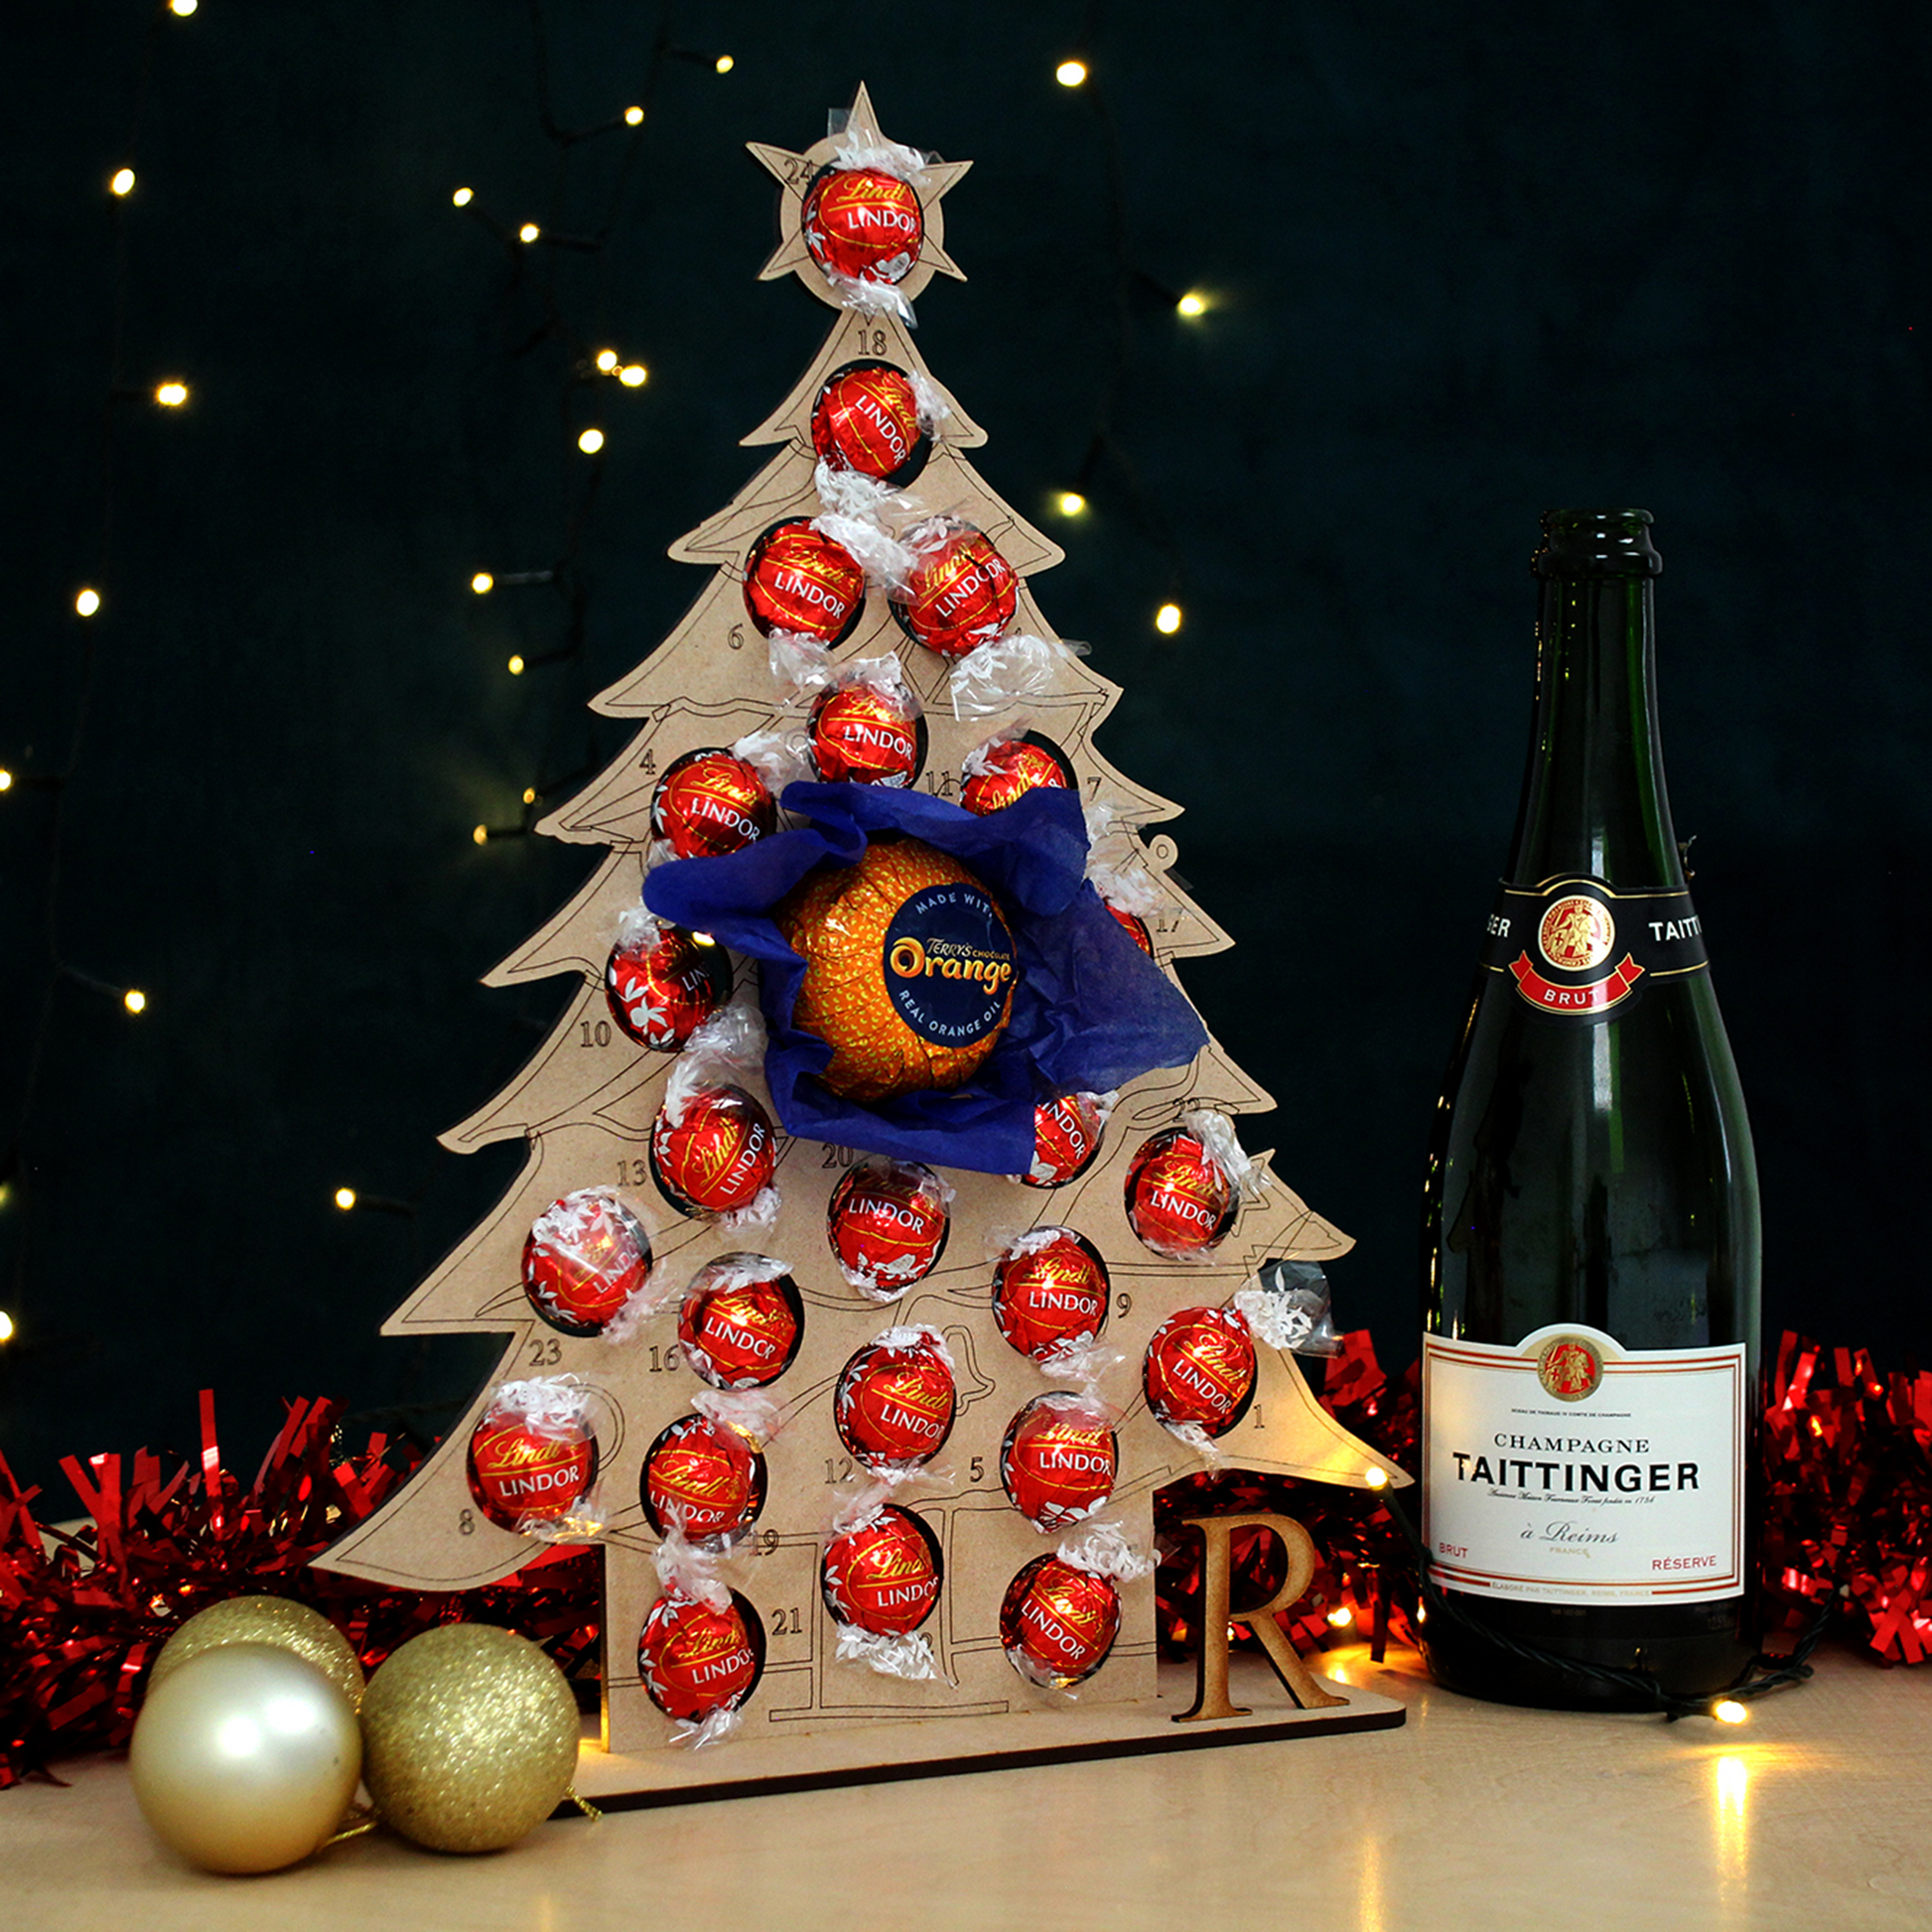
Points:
x=794 y=172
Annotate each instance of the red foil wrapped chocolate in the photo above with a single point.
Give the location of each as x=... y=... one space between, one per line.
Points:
x=1066 y=1138
x=1057 y=1623
x=1200 y=1368
x=895 y=1401
x=710 y=802
x=718 y=1155
x=883 y=1576
x=1011 y=768
x=866 y=419
x=584 y=1258
x=864 y=735
x=703 y=1478
x=797 y=579
x=888 y=1222
x=694 y=1661
x=740 y=1321
x=1059 y=1460
x=521 y=1472
x=662 y=993
x=862 y=223
x=1134 y=927
x=958 y=595
x=1180 y=1201
x=1049 y=1290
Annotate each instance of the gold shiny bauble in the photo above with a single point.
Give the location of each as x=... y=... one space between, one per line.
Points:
x=265 y=1619
x=245 y=1758
x=471 y=1737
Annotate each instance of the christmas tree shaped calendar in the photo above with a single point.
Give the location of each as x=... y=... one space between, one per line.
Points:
x=882 y=1244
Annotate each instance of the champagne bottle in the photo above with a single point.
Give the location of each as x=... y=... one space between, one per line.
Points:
x=1591 y=1240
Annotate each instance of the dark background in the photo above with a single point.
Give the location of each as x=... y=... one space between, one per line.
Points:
x=1465 y=264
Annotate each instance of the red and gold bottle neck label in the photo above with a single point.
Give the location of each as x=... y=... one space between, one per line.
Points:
x=1580 y=950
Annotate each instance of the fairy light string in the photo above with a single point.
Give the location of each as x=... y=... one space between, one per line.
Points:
x=97 y=595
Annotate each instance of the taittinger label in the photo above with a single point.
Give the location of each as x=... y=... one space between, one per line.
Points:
x=1569 y=1469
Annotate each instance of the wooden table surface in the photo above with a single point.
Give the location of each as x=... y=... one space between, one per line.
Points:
x=1817 y=1814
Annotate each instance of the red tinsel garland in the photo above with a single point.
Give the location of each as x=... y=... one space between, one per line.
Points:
x=1847 y=1500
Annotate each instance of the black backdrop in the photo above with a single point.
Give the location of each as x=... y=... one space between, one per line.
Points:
x=1465 y=264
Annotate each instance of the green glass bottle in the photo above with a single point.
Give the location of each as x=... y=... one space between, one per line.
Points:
x=1590 y=1239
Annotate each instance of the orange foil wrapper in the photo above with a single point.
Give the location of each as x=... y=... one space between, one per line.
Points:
x=909 y=969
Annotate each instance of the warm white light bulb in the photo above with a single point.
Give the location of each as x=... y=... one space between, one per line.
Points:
x=344 y=1198
x=528 y=231
x=633 y=375
x=1729 y=1712
x=633 y=115
x=1341 y=1618
x=1069 y=74
x=529 y=794
x=1072 y=504
x=607 y=360
x=483 y=583
x=1191 y=305
x=183 y=7
x=462 y=197
x=171 y=395
x=1375 y=1478
x=1167 y=620
x=517 y=666
x=122 y=182
x=723 y=63
x=134 y=1000
x=6 y=1326
x=479 y=835
x=6 y=779
x=591 y=441
x=87 y=603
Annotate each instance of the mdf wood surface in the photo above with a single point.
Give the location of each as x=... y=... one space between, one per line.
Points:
x=1471 y=1818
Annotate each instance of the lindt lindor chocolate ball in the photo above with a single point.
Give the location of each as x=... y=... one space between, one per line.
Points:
x=1134 y=927
x=883 y=1576
x=1057 y=1623
x=584 y=1258
x=909 y=969
x=797 y=579
x=522 y=1474
x=662 y=993
x=863 y=224
x=740 y=1321
x=888 y=1222
x=1200 y=1368
x=1066 y=1137
x=864 y=736
x=718 y=1155
x=1059 y=1460
x=710 y=802
x=1012 y=768
x=1052 y=1294
x=1180 y=1201
x=694 y=1660
x=958 y=595
x=704 y=1477
x=894 y=1405
x=867 y=418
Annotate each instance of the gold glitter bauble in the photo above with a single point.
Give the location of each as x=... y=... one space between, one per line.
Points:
x=265 y=1619
x=469 y=1737
x=909 y=969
